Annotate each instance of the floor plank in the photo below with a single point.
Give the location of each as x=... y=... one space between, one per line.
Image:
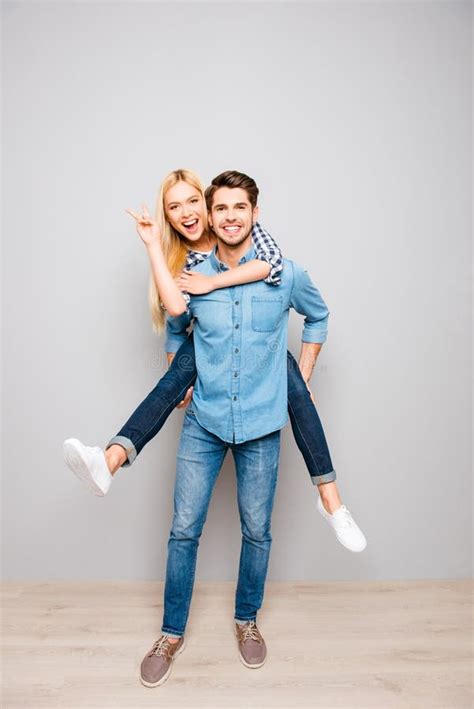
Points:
x=353 y=645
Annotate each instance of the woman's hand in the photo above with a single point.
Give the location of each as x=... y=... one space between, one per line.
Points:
x=147 y=228
x=195 y=283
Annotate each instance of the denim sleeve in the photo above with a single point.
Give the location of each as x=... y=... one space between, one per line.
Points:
x=176 y=331
x=306 y=299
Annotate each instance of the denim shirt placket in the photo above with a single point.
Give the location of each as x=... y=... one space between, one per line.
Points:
x=234 y=430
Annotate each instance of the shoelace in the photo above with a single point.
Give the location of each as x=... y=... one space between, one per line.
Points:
x=161 y=647
x=345 y=517
x=250 y=632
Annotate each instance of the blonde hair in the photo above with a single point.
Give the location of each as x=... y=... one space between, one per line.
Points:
x=175 y=249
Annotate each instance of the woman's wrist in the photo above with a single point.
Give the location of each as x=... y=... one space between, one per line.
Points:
x=154 y=245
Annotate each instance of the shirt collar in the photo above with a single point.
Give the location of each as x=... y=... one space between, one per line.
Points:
x=220 y=266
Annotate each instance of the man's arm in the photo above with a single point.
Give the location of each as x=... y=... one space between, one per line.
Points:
x=308 y=356
x=306 y=299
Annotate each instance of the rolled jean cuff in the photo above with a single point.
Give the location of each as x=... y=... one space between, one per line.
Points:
x=239 y=621
x=326 y=478
x=129 y=448
x=171 y=634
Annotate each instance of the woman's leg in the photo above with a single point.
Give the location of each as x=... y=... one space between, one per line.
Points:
x=310 y=438
x=94 y=467
x=149 y=417
x=311 y=441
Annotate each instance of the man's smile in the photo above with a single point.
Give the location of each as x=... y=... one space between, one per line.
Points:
x=232 y=228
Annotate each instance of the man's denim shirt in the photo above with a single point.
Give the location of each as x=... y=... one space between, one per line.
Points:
x=240 y=339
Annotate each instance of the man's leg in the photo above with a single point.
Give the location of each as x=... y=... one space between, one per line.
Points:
x=257 y=469
x=200 y=459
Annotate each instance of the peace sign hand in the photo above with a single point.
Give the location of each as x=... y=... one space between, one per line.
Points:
x=147 y=227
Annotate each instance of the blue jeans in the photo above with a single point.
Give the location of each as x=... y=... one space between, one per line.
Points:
x=151 y=414
x=199 y=461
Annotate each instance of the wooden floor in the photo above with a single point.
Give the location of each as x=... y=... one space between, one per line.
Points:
x=329 y=645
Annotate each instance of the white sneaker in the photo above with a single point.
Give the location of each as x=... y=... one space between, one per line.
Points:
x=346 y=530
x=89 y=465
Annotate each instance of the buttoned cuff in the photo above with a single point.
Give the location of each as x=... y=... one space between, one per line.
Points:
x=314 y=336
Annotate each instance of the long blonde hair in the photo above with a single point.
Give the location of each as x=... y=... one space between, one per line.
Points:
x=174 y=246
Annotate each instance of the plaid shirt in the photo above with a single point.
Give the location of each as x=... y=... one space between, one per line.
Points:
x=266 y=249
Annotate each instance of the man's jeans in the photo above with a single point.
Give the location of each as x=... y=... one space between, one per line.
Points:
x=151 y=414
x=200 y=459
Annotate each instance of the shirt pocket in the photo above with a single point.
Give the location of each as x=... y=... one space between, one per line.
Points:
x=266 y=312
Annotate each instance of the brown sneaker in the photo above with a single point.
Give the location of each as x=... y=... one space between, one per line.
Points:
x=252 y=648
x=156 y=665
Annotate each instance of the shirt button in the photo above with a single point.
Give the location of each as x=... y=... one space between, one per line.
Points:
x=235 y=374
x=236 y=350
x=234 y=398
x=236 y=302
x=237 y=326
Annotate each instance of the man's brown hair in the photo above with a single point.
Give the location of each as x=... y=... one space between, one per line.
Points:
x=232 y=179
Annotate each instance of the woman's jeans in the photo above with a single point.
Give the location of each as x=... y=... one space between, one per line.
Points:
x=200 y=458
x=149 y=417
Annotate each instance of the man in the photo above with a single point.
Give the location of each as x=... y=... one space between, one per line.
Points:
x=239 y=402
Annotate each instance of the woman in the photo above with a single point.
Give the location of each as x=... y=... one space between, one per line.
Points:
x=178 y=239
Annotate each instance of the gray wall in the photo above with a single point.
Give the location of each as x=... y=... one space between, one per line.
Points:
x=354 y=118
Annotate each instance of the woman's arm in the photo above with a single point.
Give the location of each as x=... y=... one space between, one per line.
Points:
x=168 y=291
x=197 y=283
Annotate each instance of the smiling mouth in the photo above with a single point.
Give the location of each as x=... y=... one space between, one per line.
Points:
x=191 y=225
x=231 y=229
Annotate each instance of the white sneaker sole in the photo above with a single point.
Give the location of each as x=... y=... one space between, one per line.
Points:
x=356 y=550
x=77 y=464
x=167 y=674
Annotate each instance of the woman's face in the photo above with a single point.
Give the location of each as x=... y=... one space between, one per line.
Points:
x=184 y=209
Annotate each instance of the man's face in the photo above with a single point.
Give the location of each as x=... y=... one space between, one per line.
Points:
x=232 y=216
